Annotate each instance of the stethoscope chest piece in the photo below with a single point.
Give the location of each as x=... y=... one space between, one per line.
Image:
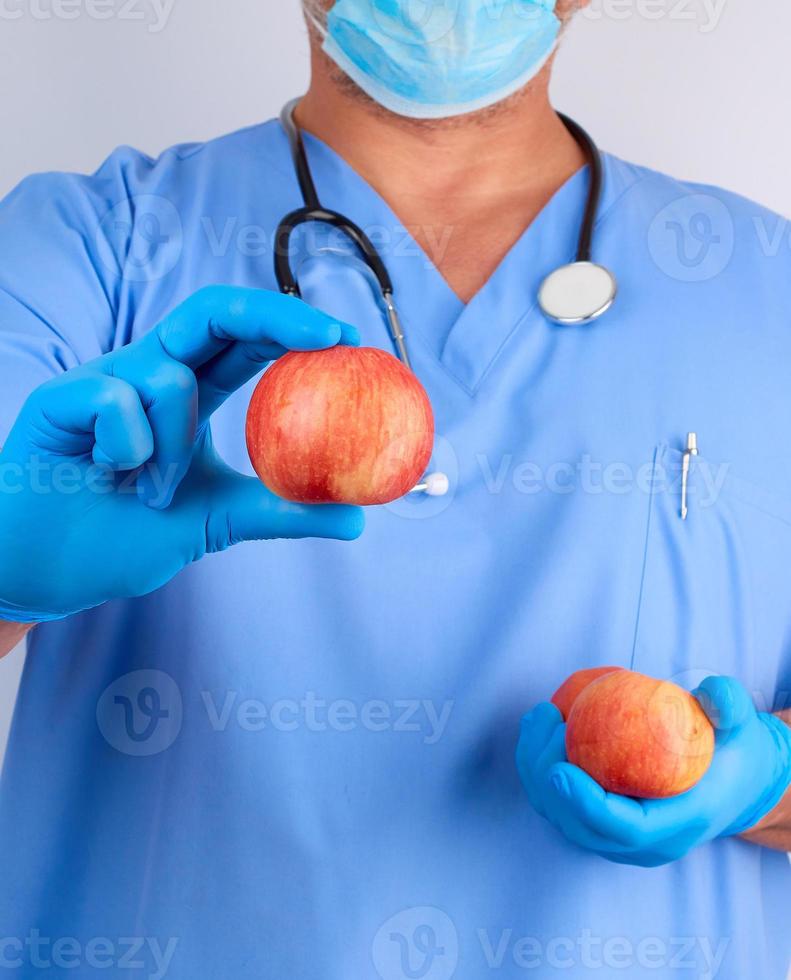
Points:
x=577 y=293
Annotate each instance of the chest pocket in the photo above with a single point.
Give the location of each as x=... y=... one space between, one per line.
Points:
x=716 y=591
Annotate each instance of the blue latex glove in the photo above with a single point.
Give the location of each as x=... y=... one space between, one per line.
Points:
x=749 y=774
x=109 y=484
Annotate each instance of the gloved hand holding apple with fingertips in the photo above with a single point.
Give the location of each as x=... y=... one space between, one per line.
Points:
x=330 y=426
x=640 y=771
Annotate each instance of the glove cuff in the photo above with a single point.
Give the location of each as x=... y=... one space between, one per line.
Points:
x=13 y=614
x=780 y=735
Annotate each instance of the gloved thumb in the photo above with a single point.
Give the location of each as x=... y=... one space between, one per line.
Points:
x=247 y=511
x=727 y=703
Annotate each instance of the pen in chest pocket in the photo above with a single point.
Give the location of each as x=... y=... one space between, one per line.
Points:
x=690 y=451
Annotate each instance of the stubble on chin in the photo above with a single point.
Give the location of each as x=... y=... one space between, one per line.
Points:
x=490 y=116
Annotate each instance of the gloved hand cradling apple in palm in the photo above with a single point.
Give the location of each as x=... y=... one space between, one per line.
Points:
x=717 y=793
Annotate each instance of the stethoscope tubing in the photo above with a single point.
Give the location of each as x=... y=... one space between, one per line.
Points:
x=314 y=211
x=596 y=184
x=286 y=279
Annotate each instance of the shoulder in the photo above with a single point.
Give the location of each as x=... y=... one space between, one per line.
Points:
x=98 y=207
x=699 y=246
x=128 y=170
x=684 y=212
x=70 y=240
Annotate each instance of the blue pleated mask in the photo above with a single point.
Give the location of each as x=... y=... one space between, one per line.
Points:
x=431 y=59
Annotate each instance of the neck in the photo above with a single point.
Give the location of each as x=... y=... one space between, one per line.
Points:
x=489 y=173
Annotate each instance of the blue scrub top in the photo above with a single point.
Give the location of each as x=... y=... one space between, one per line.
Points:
x=296 y=759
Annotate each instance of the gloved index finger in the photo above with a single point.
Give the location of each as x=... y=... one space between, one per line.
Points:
x=216 y=317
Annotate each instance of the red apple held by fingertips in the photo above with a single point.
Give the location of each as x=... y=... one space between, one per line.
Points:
x=567 y=693
x=638 y=736
x=348 y=425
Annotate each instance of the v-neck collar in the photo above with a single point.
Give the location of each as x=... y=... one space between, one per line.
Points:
x=465 y=339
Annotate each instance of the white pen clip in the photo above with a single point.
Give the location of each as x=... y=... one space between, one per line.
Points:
x=689 y=452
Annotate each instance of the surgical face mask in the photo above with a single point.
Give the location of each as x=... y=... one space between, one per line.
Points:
x=431 y=59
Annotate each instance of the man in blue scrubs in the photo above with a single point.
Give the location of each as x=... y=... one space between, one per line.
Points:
x=295 y=758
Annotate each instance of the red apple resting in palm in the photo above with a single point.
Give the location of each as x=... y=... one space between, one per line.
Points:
x=346 y=425
x=638 y=736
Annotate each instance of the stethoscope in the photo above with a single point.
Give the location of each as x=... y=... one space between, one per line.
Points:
x=577 y=293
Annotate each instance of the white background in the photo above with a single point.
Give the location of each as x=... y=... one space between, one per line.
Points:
x=698 y=88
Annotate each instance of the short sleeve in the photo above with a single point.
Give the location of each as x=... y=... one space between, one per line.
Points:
x=59 y=283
